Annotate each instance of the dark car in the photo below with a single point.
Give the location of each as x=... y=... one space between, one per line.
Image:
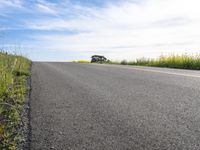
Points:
x=98 y=58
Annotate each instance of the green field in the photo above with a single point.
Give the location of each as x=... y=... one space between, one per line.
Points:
x=14 y=71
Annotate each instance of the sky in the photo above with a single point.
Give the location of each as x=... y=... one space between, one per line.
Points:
x=66 y=30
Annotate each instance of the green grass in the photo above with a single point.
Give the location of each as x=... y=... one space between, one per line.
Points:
x=172 y=61
x=13 y=80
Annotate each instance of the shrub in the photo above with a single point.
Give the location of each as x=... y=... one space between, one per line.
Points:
x=124 y=62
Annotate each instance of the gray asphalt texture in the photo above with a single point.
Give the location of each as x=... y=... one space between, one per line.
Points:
x=105 y=107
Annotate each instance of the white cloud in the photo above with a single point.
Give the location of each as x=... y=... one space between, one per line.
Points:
x=130 y=30
x=126 y=30
x=46 y=7
x=11 y=3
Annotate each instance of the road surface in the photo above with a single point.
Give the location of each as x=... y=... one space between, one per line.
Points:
x=110 y=107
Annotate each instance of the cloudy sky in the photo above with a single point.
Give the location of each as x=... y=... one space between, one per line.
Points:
x=65 y=30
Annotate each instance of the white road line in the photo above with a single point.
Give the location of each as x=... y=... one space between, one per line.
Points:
x=170 y=73
x=155 y=71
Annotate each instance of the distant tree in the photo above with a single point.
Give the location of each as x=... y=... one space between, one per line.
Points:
x=124 y=62
x=98 y=58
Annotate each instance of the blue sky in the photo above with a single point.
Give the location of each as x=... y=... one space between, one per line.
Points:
x=65 y=30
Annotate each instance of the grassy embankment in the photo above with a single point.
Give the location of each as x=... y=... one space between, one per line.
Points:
x=14 y=71
x=172 y=61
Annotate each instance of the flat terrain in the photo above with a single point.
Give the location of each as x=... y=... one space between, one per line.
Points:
x=110 y=107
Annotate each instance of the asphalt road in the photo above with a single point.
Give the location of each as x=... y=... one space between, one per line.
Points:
x=110 y=107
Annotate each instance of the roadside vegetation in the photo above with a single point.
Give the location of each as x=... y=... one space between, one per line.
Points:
x=81 y=61
x=14 y=71
x=172 y=61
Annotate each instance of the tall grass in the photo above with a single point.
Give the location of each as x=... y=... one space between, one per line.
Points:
x=13 y=74
x=172 y=61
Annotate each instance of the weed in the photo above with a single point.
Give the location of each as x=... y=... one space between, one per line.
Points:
x=13 y=74
x=172 y=61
